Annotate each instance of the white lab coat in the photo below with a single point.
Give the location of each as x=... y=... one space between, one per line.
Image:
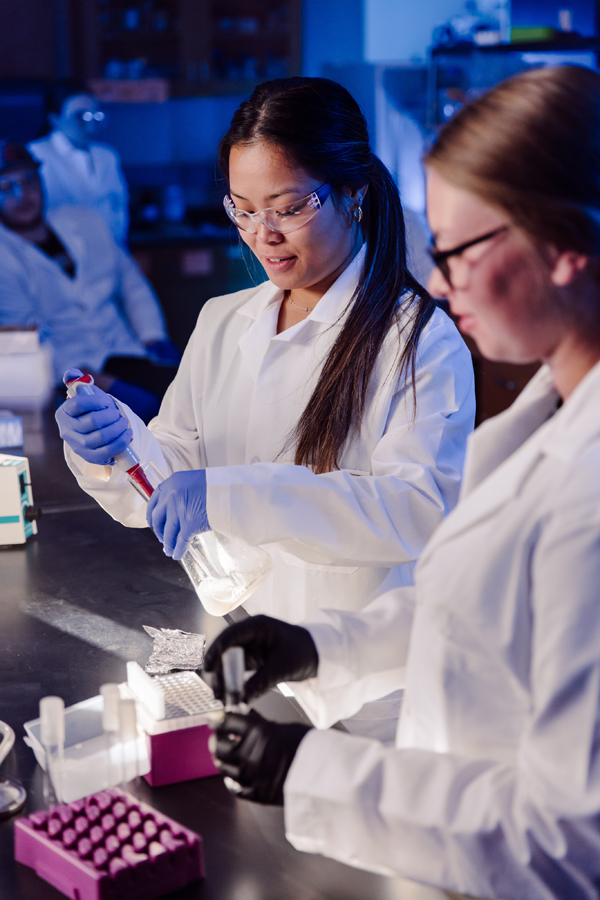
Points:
x=241 y=388
x=93 y=178
x=107 y=309
x=494 y=786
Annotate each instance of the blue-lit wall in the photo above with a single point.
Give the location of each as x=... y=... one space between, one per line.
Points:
x=332 y=33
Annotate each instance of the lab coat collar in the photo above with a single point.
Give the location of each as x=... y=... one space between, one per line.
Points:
x=563 y=436
x=329 y=308
x=498 y=438
x=65 y=147
x=62 y=143
x=579 y=420
x=72 y=241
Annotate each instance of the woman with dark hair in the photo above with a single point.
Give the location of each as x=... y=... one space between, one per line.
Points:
x=493 y=788
x=325 y=412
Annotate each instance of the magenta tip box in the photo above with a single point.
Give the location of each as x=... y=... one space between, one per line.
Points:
x=178 y=713
x=109 y=846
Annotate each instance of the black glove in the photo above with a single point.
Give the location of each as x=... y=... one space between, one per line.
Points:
x=277 y=650
x=257 y=754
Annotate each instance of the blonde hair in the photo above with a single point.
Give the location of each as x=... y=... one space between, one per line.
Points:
x=531 y=146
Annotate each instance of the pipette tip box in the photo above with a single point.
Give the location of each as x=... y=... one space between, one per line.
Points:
x=177 y=713
x=109 y=846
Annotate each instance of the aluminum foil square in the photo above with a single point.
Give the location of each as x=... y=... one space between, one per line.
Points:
x=175 y=649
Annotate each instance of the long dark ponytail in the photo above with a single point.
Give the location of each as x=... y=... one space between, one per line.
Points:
x=320 y=127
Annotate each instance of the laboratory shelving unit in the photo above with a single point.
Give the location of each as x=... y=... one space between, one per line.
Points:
x=196 y=46
x=459 y=72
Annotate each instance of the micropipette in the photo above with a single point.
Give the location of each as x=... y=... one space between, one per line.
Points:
x=52 y=736
x=128 y=461
x=223 y=570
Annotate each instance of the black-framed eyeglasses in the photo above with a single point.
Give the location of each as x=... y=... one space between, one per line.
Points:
x=441 y=257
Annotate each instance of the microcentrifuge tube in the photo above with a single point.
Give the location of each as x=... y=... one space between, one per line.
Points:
x=111 y=726
x=128 y=738
x=52 y=736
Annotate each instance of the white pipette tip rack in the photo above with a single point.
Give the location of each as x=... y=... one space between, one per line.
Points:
x=171 y=702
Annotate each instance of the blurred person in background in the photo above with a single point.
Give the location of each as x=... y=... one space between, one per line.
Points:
x=63 y=271
x=76 y=169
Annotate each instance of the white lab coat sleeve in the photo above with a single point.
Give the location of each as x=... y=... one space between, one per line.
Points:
x=362 y=656
x=17 y=302
x=178 y=447
x=380 y=519
x=527 y=829
x=138 y=301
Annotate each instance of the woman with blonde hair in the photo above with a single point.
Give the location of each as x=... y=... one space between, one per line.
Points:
x=493 y=788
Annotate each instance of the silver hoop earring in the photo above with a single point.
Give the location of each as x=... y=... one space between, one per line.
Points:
x=357 y=214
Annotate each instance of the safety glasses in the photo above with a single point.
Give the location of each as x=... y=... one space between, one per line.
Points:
x=13 y=186
x=283 y=219
x=441 y=257
x=88 y=115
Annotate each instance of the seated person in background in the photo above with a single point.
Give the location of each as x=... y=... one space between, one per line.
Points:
x=64 y=272
x=78 y=170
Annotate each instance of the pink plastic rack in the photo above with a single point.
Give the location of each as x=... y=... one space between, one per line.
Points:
x=109 y=846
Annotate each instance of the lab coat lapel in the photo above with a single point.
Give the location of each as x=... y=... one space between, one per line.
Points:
x=37 y=260
x=75 y=245
x=492 y=493
x=496 y=439
x=562 y=436
x=70 y=170
x=254 y=342
x=284 y=367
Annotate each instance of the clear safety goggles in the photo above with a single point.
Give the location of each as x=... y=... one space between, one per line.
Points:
x=283 y=219
x=88 y=115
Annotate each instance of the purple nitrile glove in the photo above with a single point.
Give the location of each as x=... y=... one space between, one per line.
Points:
x=177 y=510
x=93 y=425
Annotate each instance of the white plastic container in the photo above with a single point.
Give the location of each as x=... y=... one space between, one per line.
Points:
x=26 y=375
x=90 y=762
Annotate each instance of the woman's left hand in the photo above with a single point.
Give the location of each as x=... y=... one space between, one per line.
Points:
x=177 y=511
x=257 y=754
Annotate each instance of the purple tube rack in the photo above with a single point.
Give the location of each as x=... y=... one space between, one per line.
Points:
x=109 y=846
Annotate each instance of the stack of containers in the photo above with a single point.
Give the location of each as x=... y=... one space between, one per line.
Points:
x=178 y=713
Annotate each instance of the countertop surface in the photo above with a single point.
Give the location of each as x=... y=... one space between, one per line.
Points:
x=72 y=605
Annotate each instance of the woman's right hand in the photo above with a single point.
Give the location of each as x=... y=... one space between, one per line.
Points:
x=94 y=427
x=276 y=651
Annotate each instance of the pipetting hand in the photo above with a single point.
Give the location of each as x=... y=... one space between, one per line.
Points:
x=257 y=754
x=93 y=425
x=277 y=651
x=177 y=511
